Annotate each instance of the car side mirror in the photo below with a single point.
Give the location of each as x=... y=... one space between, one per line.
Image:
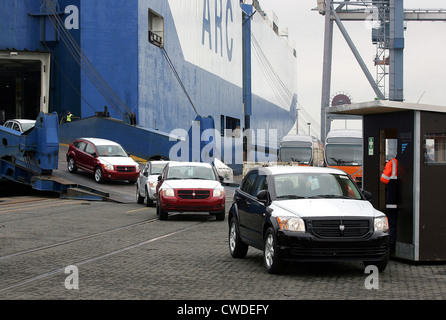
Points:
x=264 y=197
x=367 y=195
x=145 y=174
x=221 y=179
x=159 y=178
x=94 y=155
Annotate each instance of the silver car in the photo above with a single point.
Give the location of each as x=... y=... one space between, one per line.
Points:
x=147 y=181
x=20 y=125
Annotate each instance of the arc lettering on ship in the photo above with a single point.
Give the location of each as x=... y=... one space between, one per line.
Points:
x=212 y=32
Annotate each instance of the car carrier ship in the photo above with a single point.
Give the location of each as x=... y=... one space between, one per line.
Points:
x=151 y=69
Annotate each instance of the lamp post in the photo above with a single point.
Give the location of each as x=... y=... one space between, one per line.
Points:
x=309 y=126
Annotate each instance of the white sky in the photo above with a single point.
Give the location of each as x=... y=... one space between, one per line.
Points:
x=424 y=55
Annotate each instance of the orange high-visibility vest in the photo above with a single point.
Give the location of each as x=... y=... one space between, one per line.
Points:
x=390 y=171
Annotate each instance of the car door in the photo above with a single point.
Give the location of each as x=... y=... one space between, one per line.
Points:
x=242 y=200
x=79 y=154
x=86 y=157
x=256 y=210
x=143 y=176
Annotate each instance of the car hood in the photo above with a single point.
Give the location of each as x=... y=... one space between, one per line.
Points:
x=191 y=184
x=325 y=208
x=118 y=161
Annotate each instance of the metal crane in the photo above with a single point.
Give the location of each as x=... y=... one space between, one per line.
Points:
x=388 y=17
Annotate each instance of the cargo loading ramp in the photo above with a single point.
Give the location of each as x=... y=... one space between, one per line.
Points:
x=31 y=157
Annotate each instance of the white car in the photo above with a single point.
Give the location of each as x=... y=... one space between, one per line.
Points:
x=306 y=214
x=20 y=125
x=147 y=181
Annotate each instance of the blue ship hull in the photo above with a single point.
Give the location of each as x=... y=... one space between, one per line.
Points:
x=217 y=59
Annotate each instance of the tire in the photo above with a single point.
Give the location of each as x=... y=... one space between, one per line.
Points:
x=162 y=214
x=98 y=176
x=71 y=165
x=220 y=216
x=147 y=200
x=237 y=248
x=381 y=264
x=139 y=199
x=271 y=255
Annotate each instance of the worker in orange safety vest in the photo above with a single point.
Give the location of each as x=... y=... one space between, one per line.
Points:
x=390 y=178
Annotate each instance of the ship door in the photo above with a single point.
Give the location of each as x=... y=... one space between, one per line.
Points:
x=24 y=83
x=388 y=150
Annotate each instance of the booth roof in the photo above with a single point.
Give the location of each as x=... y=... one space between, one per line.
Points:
x=382 y=106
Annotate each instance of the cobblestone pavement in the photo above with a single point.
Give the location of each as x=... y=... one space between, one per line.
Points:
x=121 y=251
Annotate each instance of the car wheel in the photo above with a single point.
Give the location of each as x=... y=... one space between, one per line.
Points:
x=237 y=248
x=220 y=216
x=162 y=214
x=139 y=199
x=98 y=177
x=381 y=264
x=147 y=200
x=71 y=165
x=271 y=255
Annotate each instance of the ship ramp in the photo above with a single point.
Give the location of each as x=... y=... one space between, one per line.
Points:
x=31 y=157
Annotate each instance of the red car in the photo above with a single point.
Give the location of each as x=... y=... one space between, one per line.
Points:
x=190 y=187
x=106 y=159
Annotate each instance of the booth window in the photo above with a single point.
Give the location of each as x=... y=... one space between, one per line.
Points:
x=435 y=148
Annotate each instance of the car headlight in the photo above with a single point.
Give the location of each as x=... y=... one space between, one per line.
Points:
x=108 y=166
x=381 y=224
x=168 y=192
x=291 y=224
x=152 y=184
x=218 y=192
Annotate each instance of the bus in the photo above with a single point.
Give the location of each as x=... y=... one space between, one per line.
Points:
x=303 y=149
x=343 y=150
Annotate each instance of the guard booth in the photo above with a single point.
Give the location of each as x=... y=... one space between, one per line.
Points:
x=417 y=135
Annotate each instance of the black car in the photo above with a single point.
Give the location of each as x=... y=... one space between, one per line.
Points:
x=306 y=214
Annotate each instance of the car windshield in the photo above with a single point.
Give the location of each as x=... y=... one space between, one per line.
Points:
x=157 y=168
x=315 y=185
x=190 y=172
x=111 y=151
x=343 y=155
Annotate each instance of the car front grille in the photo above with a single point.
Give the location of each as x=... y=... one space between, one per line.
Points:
x=338 y=250
x=125 y=168
x=194 y=194
x=341 y=228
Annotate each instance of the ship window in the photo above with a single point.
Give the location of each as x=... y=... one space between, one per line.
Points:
x=435 y=149
x=232 y=127
x=222 y=125
x=156 y=29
